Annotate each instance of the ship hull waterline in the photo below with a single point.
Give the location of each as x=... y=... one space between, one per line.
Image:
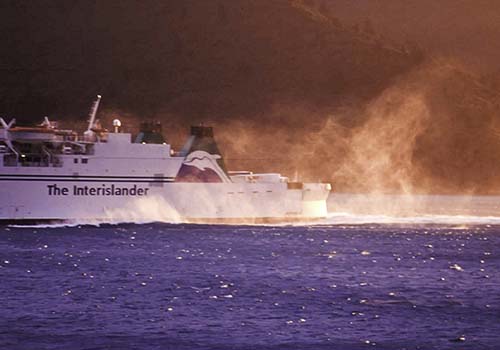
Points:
x=75 y=201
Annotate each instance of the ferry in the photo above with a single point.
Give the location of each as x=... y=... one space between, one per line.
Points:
x=48 y=174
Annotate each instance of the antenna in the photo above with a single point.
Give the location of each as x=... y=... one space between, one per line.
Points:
x=117 y=124
x=93 y=112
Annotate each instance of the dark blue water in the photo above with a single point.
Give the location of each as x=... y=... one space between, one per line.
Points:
x=161 y=286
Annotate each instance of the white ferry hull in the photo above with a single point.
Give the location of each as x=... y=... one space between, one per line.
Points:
x=88 y=201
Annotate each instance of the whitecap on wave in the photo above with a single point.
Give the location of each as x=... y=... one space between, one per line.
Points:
x=359 y=219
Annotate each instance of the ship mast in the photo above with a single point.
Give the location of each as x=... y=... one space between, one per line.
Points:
x=89 y=134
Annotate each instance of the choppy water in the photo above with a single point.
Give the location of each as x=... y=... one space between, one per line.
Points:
x=415 y=285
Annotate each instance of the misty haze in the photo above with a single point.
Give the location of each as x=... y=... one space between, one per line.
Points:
x=250 y=174
x=381 y=109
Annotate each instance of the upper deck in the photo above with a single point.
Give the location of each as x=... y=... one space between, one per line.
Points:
x=45 y=150
x=48 y=153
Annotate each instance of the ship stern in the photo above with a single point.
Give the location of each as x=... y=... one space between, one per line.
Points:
x=314 y=198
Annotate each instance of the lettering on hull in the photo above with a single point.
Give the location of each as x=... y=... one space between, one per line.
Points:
x=103 y=190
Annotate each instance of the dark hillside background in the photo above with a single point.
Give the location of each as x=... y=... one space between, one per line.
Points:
x=302 y=87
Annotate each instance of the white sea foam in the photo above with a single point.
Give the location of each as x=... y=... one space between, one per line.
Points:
x=344 y=209
x=417 y=209
x=332 y=219
x=359 y=219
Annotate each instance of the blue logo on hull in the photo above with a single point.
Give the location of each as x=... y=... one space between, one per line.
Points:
x=201 y=166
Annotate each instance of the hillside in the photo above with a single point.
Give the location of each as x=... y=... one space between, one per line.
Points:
x=288 y=86
x=199 y=59
x=460 y=28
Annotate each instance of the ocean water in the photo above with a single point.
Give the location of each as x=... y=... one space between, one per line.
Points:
x=353 y=281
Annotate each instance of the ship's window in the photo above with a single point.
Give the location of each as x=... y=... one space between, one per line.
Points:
x=75 y=160
x=85 y=160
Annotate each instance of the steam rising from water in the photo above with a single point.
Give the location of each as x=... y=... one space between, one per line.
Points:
x=423 y=134
x=432 y=131
x=381 y=151
x=413 y=209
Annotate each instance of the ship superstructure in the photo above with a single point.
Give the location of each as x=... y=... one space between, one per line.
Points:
x=50 y=174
